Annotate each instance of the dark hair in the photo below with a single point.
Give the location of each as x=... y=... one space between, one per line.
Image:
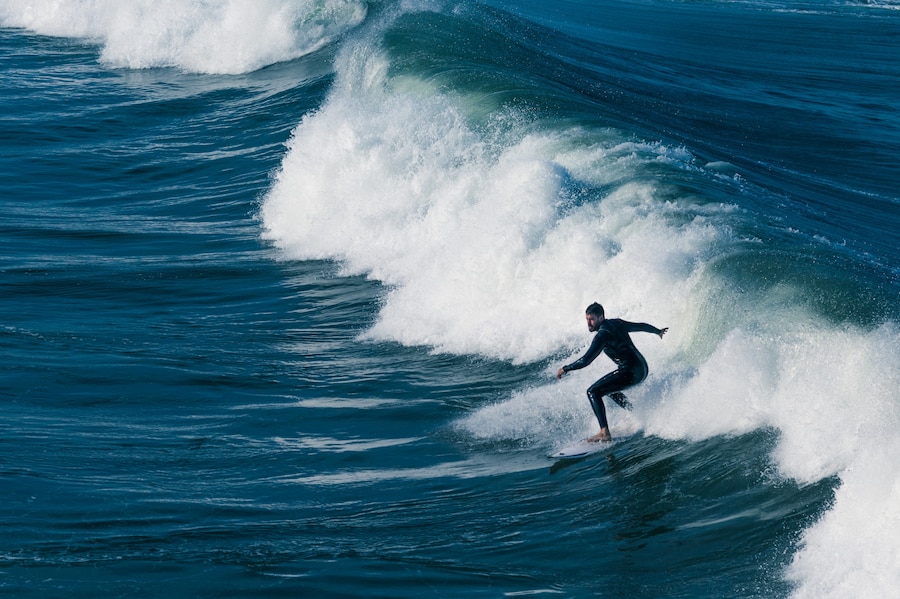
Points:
x=595 y=309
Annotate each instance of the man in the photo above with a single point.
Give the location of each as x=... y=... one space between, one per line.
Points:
x=613 y=338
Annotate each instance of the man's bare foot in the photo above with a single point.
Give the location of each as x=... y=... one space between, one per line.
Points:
x=602 y=437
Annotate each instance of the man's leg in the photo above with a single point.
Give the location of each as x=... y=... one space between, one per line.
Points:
x=610 y=385
x=600 y=412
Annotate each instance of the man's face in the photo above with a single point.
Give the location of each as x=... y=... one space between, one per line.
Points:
x=593 y=322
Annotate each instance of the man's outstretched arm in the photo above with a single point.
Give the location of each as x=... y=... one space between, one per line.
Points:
x=643 y=327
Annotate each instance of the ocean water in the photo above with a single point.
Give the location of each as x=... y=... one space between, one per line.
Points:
x=285 y=284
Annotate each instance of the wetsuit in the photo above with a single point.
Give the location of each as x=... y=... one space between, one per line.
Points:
x=612 y=337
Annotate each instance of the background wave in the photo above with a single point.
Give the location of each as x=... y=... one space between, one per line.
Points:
x=219 y=36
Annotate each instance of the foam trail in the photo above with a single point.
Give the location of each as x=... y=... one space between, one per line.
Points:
x=216 y=36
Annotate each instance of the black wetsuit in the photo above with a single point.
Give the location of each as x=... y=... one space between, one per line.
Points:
x=612 y=337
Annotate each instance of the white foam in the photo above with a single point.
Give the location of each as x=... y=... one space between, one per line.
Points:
x=846 y=423
x=215 y=36
x=546 y=416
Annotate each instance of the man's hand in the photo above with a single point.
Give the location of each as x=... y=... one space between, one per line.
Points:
x=663 y=332
x=560 y=373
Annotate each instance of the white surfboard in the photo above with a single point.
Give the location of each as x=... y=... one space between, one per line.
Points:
x=580 y=450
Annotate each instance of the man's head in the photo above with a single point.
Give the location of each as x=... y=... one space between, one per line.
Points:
x=594 y=315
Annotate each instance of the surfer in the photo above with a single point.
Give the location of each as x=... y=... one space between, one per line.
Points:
x=612 y=337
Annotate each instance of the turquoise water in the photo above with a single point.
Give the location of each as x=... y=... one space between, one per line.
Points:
x=285 y=285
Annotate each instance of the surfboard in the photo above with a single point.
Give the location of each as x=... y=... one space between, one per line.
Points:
x=580 y=450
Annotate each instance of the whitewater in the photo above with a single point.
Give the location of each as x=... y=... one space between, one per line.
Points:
x=483 y=199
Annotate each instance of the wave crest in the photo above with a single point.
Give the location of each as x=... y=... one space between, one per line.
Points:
x=216 y=36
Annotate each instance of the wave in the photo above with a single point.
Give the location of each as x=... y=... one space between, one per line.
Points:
x=216 y=36
x=492 y=227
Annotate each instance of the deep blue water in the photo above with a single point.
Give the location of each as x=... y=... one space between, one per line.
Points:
x=284 y=286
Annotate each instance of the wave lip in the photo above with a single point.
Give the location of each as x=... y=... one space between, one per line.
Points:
x=216 y=36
